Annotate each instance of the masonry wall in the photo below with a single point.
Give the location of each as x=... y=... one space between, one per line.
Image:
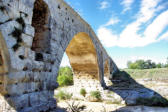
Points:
x=29 y=80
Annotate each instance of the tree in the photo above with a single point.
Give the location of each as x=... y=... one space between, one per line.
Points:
x=65 y=71
x=159 y=65
x=65 y=76
x=141 y=64
x=129 y=64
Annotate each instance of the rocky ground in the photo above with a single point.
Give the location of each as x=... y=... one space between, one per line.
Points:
x=126 y=94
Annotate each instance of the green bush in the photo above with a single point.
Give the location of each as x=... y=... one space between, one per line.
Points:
x=65 y=71
x=64 y=80
x=83 y=92
x=65 y=76
x=63 y=95
x=96 y=94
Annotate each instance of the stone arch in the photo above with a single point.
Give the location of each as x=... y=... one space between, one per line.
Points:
x=40 y=21
x=4 y=56
x=4 y=64
x=83 y=60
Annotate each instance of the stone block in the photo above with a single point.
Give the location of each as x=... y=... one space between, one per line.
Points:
x=20 y=102
x=27 y=40
x=29 y=30
x=16 y=62
x=26 y=6
x=7 y=29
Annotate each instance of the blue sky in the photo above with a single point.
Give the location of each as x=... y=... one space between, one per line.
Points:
x=128 y=29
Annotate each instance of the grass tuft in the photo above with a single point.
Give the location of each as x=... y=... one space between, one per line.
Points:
x=63 y=95
x=83 y=92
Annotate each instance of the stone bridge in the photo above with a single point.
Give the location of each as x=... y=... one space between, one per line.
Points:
x=34 y=34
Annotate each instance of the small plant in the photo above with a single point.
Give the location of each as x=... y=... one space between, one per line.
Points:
x=96 y=94
x=63 y=95
x=75 y=107
x=17 y=35
x=20 y=20
x=83 y=92
x=17 y=32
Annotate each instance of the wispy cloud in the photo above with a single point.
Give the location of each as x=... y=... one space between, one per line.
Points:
x=112 y=21
x=127 y=4
x=104 y=5
x=129 y=36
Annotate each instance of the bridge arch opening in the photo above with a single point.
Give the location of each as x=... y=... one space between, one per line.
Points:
x=82 y=57
x=40 y=21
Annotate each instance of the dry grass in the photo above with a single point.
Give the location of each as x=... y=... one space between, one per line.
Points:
x=155 y=74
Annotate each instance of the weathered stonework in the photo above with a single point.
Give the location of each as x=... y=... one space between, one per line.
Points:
x=34 y=34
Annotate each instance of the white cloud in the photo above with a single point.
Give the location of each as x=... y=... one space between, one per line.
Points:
x=107 y=37
x=147 y=10
x=129 y=36
x=104 y=5
x=127 y=4
x=164 y=36
x=154 y=29
x=112 y=21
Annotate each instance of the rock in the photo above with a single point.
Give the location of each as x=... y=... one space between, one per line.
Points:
x=29 y=30
x=27 y=40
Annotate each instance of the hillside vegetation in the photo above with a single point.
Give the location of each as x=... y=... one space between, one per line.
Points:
x=156 y=73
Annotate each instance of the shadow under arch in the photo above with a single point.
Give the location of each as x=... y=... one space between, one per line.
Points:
x=134 y=93
x=83 y=60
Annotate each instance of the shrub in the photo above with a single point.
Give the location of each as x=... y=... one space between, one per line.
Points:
x=64 y=80
x=65 y=76
x=83 y=92
x=96 y=94
x=63 y=95
x=65 y=71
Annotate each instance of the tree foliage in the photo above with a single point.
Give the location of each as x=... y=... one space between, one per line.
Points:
x=65 y=76
x=148 y=64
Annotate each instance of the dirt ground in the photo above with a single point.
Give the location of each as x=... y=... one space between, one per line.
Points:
x=91 y=106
